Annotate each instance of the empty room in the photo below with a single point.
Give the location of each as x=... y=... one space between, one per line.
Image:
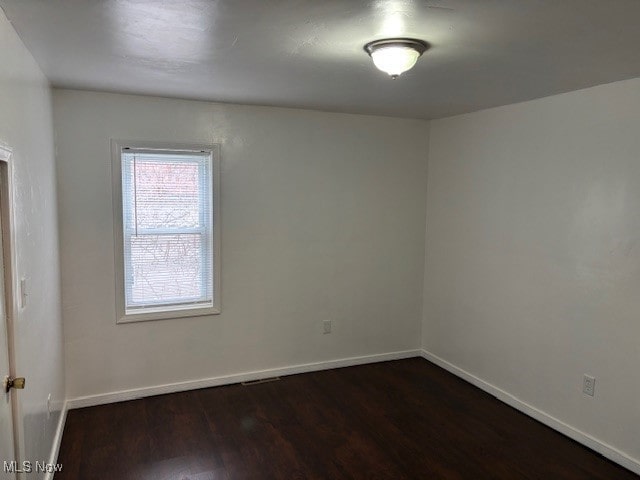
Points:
x=304 y=239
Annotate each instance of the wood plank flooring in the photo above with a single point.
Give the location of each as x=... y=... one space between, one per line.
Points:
x=405 y=419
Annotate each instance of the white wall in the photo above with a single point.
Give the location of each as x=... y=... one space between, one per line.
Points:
x=532 y=273
x=322 y=215
x=26 y=126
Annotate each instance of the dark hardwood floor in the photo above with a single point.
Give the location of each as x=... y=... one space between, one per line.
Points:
x=406 y=419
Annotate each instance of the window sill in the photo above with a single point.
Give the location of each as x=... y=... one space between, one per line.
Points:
x=168 y=315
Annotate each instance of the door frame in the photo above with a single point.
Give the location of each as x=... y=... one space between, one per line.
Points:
x=8 y=232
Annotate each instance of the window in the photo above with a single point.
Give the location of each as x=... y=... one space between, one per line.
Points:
x=167 y=230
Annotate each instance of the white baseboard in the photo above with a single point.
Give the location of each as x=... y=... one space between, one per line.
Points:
x=135 y=393
x=57 y=440
x=602 y=448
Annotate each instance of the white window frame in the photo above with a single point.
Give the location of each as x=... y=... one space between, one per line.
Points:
x=161 y=313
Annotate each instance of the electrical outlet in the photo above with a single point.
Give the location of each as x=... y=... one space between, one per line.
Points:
x=589 y=385
x=327 y=326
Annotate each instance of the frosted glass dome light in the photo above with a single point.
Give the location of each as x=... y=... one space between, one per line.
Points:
x=395 y=55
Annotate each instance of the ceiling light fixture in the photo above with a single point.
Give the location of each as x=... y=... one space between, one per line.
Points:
x=395 y=55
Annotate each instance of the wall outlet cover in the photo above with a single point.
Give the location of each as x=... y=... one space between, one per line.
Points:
x=589 y=385
x=327 y=326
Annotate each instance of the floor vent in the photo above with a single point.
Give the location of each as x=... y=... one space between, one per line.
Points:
x=262 y=380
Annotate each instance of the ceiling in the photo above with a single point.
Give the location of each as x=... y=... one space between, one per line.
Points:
x=309 y=53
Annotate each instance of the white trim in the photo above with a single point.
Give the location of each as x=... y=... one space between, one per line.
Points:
x=602 y=448
x=587 y=440
x=57 y=441
x=11 y=288
x=136 y=393
x=5 y=152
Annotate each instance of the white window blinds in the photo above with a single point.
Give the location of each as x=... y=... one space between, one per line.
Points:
x=167 y=217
